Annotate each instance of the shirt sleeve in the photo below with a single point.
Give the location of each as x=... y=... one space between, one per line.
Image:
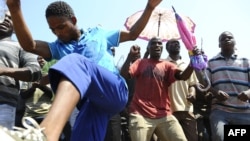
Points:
x=29 y=61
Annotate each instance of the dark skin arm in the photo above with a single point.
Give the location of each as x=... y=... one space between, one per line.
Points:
x=135 y=50
x=23 y=34
x=44 y=80
x=47 y=90
x=41 y=48
x=141 y=23
x=22 y=74
x=25 y=94
x=29 y=92
x=218 y=94
x=191 y=97
x=244 y=95
x=222 y=96
x=133 y=55
x=184 y=75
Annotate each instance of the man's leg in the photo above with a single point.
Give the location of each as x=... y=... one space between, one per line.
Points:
x=66 y=98
x=102 y=87
x=218 y=119
x=169 y=128
x=188 y=124
x=141 y=128
x=101 y=94
x=7 y=116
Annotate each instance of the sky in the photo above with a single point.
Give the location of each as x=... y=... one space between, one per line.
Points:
x=211 y=17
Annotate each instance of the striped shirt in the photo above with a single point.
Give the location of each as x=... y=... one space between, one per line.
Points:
x=13 y=56
x=231 y=76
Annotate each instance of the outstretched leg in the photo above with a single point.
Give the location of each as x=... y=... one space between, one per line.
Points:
x=97 y=92
x=66 y=98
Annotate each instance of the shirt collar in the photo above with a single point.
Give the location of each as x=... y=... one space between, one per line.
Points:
x=233 y=56
x=179 y=61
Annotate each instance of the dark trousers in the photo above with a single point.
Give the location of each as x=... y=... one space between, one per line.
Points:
x=114 y=129
x=188 y=124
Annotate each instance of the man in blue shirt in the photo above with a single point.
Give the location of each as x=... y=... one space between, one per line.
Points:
x=85 y=76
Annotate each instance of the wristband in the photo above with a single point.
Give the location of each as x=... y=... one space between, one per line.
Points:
x=190 y=53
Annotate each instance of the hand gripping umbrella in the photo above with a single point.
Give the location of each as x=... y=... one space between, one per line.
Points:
x=198 y=62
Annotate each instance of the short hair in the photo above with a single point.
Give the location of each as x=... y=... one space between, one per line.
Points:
x=153 y=39
x=59 y=8
x=225 y=33
x=170 y=41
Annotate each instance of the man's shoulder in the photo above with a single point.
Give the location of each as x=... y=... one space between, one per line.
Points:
x=215 y=57
x=94 y=28
x=10 y=43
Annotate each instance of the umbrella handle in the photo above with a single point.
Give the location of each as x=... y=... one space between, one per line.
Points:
x=200 y=87
x=159 y=24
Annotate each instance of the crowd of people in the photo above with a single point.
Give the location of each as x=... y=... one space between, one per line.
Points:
x=149 y=98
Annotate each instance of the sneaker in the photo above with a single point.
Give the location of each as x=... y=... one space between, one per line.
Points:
x=33 y=132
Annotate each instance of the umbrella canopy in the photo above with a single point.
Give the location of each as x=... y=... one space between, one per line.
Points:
x=187 y=37
x=162 y=23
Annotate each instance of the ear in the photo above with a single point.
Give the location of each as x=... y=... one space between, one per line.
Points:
x=74 y=20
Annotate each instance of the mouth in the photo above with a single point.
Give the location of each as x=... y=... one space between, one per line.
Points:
x=4 y=25
x=228 y=42
x=157 y=51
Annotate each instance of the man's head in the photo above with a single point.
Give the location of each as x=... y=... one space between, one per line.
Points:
x=6 y=27
x=62 y=21
x=41 y=61
x=173 y=47
x=155 y=47
x=227 y=41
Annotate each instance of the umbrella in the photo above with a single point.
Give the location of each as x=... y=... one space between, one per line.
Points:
x=162 y=23
x=199 y=62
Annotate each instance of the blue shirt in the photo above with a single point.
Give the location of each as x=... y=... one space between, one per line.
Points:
x=95 y=44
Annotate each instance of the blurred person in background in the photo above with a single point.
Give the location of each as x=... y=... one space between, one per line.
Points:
x=15 y=65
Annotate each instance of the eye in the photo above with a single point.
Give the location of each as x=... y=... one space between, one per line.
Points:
x=60 y=27
x=223 y=39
